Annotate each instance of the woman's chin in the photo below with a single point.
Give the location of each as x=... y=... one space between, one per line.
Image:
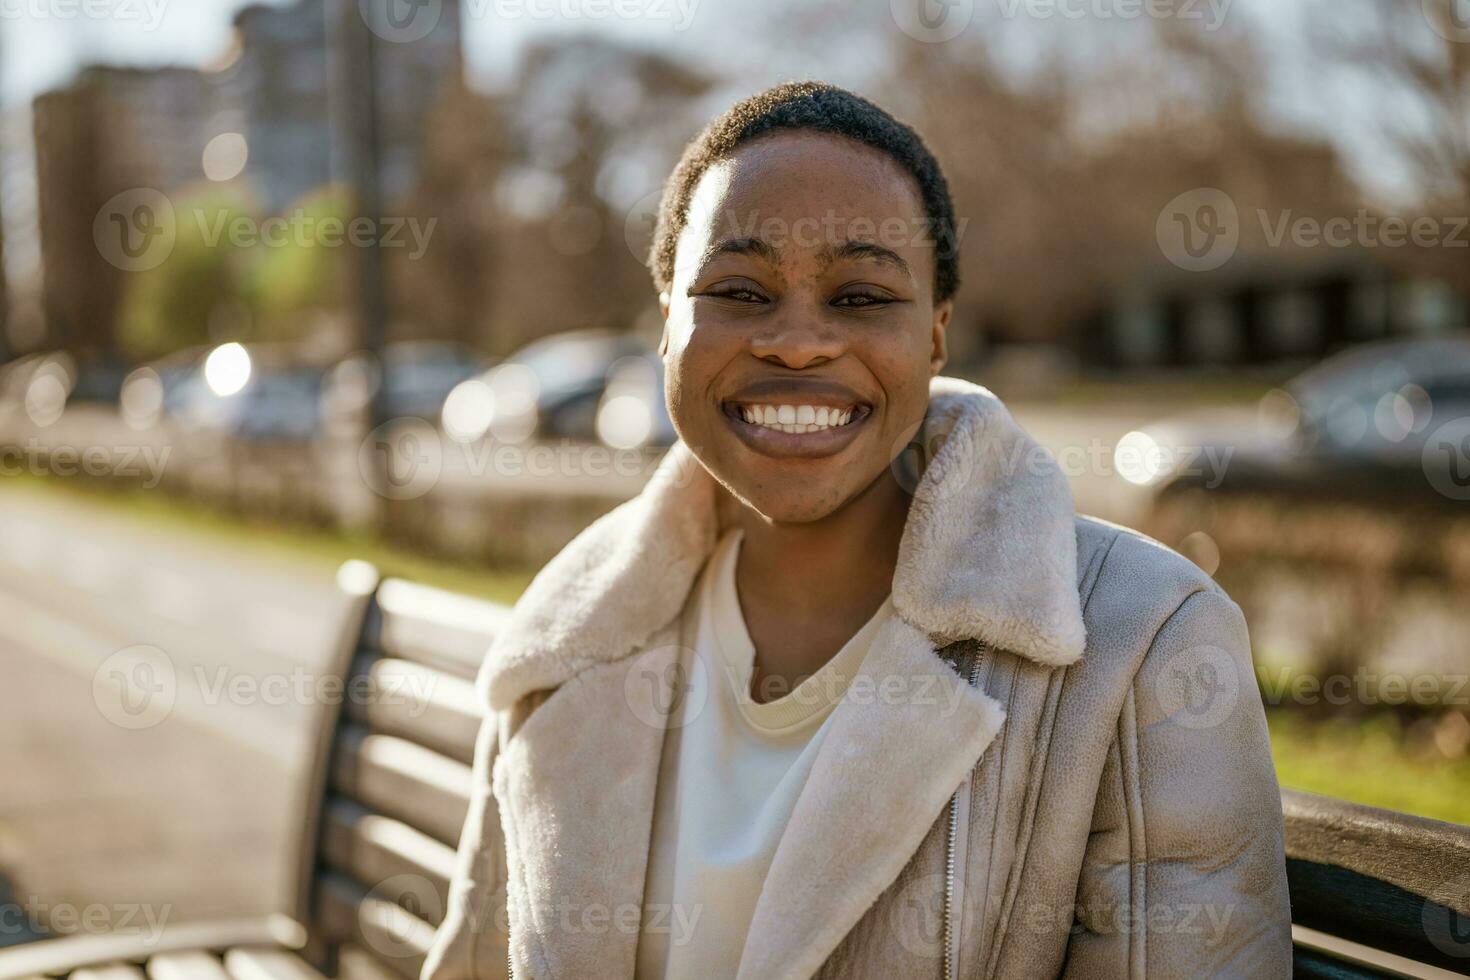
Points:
x=792 y=498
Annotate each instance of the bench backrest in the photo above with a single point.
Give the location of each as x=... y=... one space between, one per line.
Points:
x=1374 y=892
x=390 y=786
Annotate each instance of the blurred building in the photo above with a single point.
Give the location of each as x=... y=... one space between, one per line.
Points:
x=1264 y=309
x=276 y=83
x=279 y=81
x=413 y=78
x=115 y=129
x=111 y=130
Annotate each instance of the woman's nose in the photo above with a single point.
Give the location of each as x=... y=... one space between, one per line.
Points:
x=798 y=342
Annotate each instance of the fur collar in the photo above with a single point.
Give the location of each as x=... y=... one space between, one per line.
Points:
x=988 y=552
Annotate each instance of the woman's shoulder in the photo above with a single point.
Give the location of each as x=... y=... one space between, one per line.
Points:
x=1133 y=586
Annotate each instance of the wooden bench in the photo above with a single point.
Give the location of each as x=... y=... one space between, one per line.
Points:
x=382 y=813
x=1374 y=893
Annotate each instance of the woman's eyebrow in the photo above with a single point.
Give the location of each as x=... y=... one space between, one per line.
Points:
x=758 y=247
x=864 y=250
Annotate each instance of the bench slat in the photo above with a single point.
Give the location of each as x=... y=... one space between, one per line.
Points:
x=441 y=629
x=419 y=703
x=390 y=935
x=1396 y=848
x=356 y=963
x=112 y=971
x=1381 y=879
x=1316 y=954
x=194 y=964
x=399 y=779
x=391 y=858
x=268 y=964
x=70 y=952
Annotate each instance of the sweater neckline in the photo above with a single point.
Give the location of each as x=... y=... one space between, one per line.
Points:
x=812 y=700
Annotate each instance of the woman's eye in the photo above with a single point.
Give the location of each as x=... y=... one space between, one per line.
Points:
x=860 y=300
x=739 y=294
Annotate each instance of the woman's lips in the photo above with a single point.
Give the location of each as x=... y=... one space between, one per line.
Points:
x=776 y=443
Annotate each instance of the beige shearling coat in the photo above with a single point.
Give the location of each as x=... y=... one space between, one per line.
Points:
x=1104 y=791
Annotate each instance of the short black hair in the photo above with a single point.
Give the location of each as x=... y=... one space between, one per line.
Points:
x=821 y=108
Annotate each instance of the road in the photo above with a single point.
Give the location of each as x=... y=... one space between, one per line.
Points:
x=184 y=810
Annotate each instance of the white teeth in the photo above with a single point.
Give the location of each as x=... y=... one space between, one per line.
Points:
x=795 y=418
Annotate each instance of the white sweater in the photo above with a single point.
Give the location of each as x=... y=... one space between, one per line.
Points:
x=729 y=777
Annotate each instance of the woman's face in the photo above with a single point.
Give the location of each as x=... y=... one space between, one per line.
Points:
x=800 y=326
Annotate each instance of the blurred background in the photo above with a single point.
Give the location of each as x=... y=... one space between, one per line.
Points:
x=288 y=284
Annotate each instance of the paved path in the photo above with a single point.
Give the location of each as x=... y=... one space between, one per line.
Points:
x=184 y=813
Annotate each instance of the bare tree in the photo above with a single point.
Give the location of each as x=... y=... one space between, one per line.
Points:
x=1419 y=51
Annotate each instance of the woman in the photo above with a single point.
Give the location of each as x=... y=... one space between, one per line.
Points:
x=849 y=690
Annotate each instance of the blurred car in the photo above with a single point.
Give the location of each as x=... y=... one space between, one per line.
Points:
x=44 y=385
x=632 y=413
x=417 y=378
x=98 y=381
x=159 y=389
x=550 y=388
x=1364 y=426
x=38 y=386
x=262 y=392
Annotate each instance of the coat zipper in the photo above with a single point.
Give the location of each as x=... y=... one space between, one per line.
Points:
x=951 y=846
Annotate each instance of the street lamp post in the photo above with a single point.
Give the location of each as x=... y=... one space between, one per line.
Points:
x=356 y=121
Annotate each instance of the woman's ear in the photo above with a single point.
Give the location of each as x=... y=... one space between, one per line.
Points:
x=939 y=348
x=663 y=309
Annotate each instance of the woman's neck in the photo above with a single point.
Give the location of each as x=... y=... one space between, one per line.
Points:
x=806 y=588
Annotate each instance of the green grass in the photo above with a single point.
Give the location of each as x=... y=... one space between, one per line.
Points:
x=1367 y=761
x=319 y=547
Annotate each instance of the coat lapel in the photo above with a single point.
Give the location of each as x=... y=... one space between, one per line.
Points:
x=900 y=742
x=576 y=787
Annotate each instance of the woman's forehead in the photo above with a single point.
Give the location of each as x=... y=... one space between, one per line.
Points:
x=796 y=190
x=797 y=168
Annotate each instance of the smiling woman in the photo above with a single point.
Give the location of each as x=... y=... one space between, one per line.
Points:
x=849 y=689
